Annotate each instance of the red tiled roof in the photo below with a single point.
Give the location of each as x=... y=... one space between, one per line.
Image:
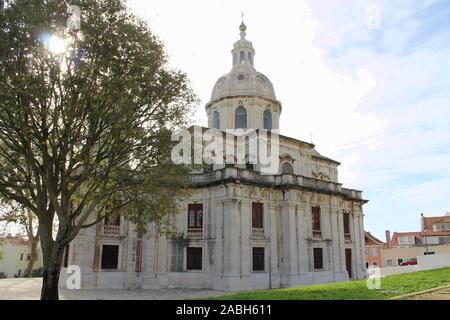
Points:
x=428 y=222
x=416 y=235
x=14 y=240
x=370 y=240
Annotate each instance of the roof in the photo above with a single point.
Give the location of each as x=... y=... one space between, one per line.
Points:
x=429 y=222
x=371 y=240
x=417 y=237
x=14 y=240
x=319 y=156
x=243 y=80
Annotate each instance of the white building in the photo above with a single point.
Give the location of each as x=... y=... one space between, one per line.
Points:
x=240 y=229
x=15 y=255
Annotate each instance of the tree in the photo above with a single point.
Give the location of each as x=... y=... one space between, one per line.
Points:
x=2 y=242
x=16 y=214
x=85 y=120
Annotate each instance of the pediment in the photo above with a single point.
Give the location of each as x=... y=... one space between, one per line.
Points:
x=287 y=157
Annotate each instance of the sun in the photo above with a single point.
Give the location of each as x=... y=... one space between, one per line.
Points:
x=57 y=45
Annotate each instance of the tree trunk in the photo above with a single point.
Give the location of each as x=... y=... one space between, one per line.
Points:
x=52 y=256
x=33 y=242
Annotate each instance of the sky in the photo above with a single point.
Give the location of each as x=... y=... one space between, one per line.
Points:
x=368 y=81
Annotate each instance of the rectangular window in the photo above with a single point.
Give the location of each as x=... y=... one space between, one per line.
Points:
x=112 y=220
x=373 y=252
x=367 y=252
x=21 y=256
x=194 y=258
x=257 y=215
x=241 y=56
x=316 y=221
x=110 y=257
x=389 y=262
x=346 y=223
x=375 y=264
x=176 y=256
x=318 y=258
x=195 y=216
x=443 y=227
x=258 y=259
x=399 y=261
x=138 y=265
x=250 y=58
x=112 y=209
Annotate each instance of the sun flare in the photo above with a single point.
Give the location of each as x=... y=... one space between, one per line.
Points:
x=56 y=45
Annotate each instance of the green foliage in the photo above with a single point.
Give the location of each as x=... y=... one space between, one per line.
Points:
x=84 y=128
x=92 y=124
x=391 y=286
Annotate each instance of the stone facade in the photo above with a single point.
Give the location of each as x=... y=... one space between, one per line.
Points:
x=239 y=230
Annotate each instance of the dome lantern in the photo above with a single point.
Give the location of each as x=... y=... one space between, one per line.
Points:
x=243 y=84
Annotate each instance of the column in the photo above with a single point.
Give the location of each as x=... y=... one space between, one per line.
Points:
x=337 y=242
x=301 y=239
x=362 y=242
x=246 y=225
x=358 y=257
x=219 y=212
x=273 y=246
x=231 y=233
x=289 y=235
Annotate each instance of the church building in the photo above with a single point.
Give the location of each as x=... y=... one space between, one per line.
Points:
x=239 y=229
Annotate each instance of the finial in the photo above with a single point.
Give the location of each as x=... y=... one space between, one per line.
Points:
x=242 y=27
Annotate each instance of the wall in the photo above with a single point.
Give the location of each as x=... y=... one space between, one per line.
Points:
x=227 y=242
x=370 y=259
x=434 y=261
x=429 y=262
x=411 y=252
x=11 y=263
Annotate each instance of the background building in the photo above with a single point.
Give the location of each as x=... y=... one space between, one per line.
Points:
x=434 y=238
x=15 y=257
x=374 y=249
x=436 y=230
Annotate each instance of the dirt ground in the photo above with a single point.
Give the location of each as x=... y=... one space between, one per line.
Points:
x=441 y=294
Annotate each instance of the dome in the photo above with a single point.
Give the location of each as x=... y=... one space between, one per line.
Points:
x=243 y=80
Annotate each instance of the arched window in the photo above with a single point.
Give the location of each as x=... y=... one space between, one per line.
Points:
x=286 y=168
x=216 y=120
x=267 y=120
x=240 y=118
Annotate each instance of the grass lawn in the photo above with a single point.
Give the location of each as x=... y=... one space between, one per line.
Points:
x=391 y=286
